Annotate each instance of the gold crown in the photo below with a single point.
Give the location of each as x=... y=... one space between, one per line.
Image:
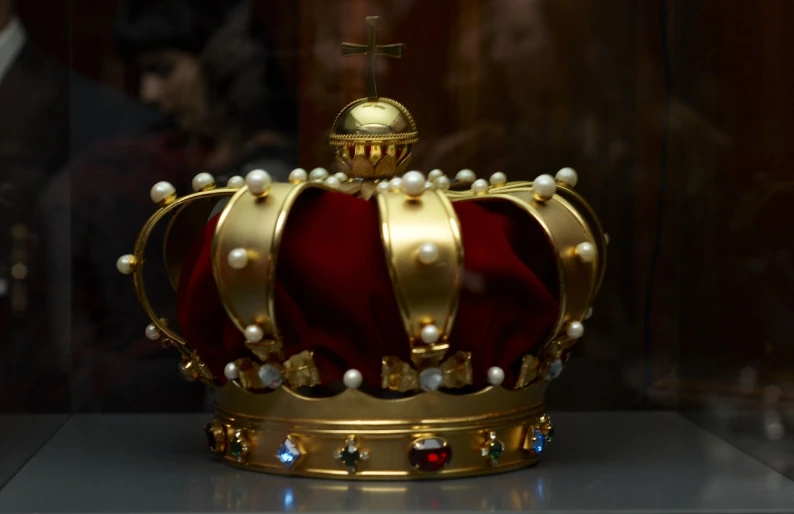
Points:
x=270 y=415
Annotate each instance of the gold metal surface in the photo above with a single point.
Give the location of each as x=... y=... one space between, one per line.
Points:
x=256 y=224
x=426 y=293
x=386 y=428
x=397 y=375
x=372 y=50
x=380 y=121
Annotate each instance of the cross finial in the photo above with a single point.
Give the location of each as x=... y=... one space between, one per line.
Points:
x=372 y=49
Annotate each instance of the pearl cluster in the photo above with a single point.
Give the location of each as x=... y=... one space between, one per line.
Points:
x=414 y=183
x=318 y=175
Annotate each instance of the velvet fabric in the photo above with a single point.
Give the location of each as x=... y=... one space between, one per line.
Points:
x=335 y=298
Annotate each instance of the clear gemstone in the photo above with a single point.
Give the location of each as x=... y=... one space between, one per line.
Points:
x=554 y=369
x=538 y=442
x=431 y=379
x=288 y=453
x=270 y=376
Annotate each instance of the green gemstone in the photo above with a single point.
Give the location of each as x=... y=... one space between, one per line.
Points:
x=550 y=434
x=236 y=447
x=496 y=450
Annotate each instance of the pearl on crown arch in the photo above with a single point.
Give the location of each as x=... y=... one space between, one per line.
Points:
x=465 y=176
x=575 y=330
x=585 y=251
x=567 y=176
x=413 y=184
x=428 y=253
x=126 y=264
x=258 y=182
x=236 y=182
x=203 y=182
x=333 y=182
x=253 y=334
x=430 y=334
x=152 y=333
x=163 y=193
x=298 y=175
x=238 y=258
x=544 y=187
x=480 y=186
x=435 y=175
x=318 y=174
x=498 y=179
x=442 y=183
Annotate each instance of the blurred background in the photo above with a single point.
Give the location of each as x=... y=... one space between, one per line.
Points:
x=678 y=116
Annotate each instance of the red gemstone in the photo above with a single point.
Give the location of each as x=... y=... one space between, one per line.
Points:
x=430 y=454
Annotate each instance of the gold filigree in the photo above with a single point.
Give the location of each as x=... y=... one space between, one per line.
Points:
x=301 y=371
x=398 y=375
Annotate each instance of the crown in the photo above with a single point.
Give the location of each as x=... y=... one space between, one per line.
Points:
x=368 y=325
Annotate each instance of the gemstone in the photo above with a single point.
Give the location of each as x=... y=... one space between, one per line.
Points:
x=270 y=376
x=210 y=433
x=430 y=454
x=495 y=450
x=350 y=455
x=288 y=453
x=555 y=368
x=238 y=446
x=538 y=442
x=550 y=434
x=431 y=379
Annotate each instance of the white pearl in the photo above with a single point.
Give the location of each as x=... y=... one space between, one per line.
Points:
x=413 y=183
x=203 y=181
x=231 y=372
x=435 y=174
x=544 y=187
x=567 y=176
x=126 y=264
x=298 y=175
x=395 y=184
x=318 y=174
x=430 y=334
x=498 y=179
x=585 y=251
x=258 y=182
x=152 y=332
x=466 y=176
x=588 y=314
x=428 y=253
x=496 y=375
x=236 y=182
x=575 y=330
x=253 y=334
x=442 y=183
x=480 y=186
x=333 y=182
x=162 y=191
x=353 y=379
x=238 y=258
x=341 y=177
x=383 y=186
x=429 y=185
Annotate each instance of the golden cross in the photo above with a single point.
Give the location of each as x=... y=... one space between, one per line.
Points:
x=372 y=49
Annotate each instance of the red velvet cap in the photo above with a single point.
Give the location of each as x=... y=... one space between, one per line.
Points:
x=334 y=295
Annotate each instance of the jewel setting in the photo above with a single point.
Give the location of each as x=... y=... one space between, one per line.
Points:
x=288 y=453
x=216 y=437
x=430 y=454
x=239 y=446
x=351 y=455
x=493 y=449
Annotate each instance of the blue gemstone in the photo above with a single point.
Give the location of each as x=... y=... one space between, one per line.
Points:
x=538 y=442
x=288 y=453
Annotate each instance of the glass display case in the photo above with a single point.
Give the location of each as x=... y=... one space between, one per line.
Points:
x=676 y=115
